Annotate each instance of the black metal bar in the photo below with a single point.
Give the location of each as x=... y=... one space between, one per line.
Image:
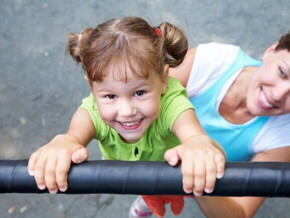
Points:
x=269 y=179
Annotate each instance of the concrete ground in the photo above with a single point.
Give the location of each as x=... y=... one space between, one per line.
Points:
x=41 y=87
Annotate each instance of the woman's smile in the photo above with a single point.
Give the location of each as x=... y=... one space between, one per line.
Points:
x=264 y=102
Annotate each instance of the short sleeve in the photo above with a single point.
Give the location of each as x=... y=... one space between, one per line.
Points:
x=274 y=134
x=174 y=102
x=211 y=60
x=90 y=105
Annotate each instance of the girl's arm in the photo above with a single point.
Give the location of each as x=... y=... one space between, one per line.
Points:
x=241 y=206
x=82 y=127
x=51 y=163
x=202 y=158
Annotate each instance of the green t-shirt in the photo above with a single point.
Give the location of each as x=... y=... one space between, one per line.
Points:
x=157 y=138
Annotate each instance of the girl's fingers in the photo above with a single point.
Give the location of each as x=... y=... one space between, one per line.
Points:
x=193 y=175
x=172 y=156
x=49 y=176
x=31 y=163
x=199 y=179
x=39 y=172
x=220 y=162
x=187 y=171
x=80 y=155
x=62 y=170
x=200 y=174
x=211 y=172
x=51 y=163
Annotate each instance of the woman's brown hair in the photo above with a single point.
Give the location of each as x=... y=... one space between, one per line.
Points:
x=284 y=43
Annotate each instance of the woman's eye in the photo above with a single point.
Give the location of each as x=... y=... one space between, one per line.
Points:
x=282 y=73
x=139 y=93
x=111 y=96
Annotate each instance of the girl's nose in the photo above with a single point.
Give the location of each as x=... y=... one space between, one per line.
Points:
x=126 y=108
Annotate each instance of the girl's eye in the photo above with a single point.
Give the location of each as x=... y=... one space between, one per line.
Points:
x=139 y=93
x=111 y=96
x=282 y=73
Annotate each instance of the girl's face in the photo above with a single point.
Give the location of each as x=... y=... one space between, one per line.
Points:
x=129 y=107
x=269 y=89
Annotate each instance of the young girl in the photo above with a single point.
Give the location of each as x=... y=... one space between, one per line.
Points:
x=134 y=110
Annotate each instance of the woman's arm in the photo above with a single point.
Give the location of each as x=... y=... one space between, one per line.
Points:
x=182 y=71
x=241 y=206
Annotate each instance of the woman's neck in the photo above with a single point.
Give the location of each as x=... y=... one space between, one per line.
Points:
x=233 y=106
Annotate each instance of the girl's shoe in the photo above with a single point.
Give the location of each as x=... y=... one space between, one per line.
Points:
x=139 y=209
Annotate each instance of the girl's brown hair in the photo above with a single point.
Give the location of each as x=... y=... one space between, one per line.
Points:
x=130 y=43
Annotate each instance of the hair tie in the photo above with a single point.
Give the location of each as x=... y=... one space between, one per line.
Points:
x=157 y=32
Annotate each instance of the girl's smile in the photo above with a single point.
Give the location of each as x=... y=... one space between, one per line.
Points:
x=131 y=125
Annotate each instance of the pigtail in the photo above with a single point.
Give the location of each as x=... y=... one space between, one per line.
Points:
x=175 y=44
x=77 y=43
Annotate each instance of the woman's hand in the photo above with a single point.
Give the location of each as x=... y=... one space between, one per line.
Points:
x=51 y=163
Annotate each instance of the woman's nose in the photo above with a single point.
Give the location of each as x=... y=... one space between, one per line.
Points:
x=281 y=92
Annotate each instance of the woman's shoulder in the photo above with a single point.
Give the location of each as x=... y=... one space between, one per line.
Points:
x=215 y=54
x=211 y=60
x=274 y=133
x=218 y=45
x=278 y=123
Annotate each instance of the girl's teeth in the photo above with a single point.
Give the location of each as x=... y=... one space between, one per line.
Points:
x=131 y=123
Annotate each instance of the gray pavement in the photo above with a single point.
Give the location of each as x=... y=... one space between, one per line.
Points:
x=40 y=86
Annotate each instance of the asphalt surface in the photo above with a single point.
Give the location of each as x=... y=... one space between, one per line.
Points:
x=41 y=87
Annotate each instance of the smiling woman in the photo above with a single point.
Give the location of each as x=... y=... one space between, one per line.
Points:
x=244 y=105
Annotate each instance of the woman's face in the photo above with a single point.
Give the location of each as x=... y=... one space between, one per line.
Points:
x=269 y=89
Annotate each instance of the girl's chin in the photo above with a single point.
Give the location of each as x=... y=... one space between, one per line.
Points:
x=131 y=137
x=130 y=140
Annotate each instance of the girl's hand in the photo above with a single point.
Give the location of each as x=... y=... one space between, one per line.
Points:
x=51 y=163
x=202 y=162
